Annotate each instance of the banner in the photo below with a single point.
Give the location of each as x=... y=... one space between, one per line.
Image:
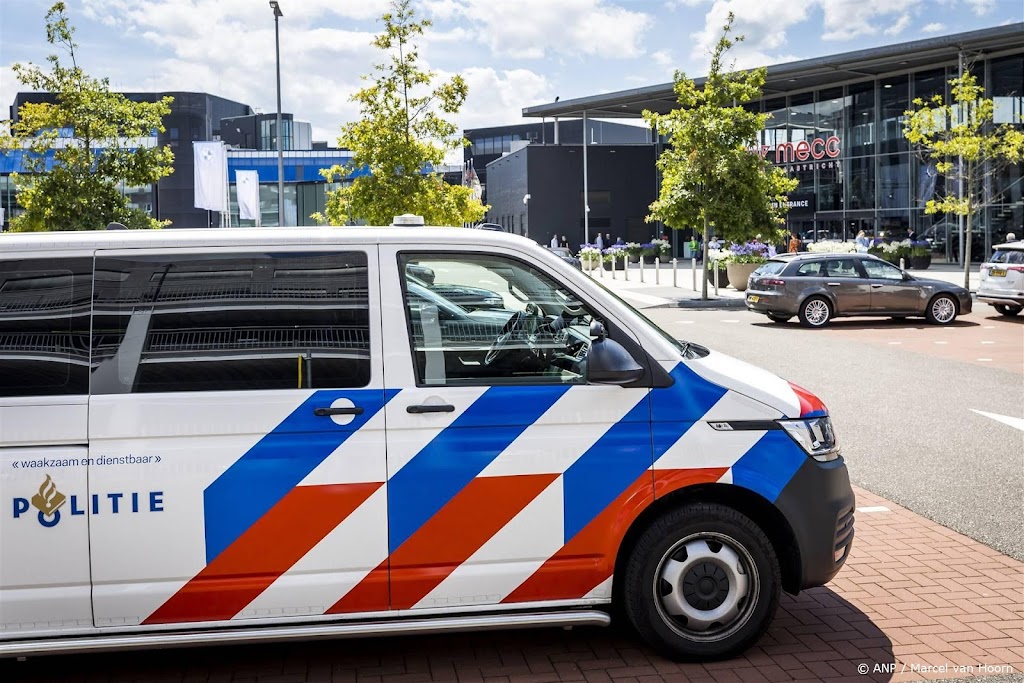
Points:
x=211 y=175
x=247 y=184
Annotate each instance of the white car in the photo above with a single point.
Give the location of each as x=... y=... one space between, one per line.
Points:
x=1002 y=278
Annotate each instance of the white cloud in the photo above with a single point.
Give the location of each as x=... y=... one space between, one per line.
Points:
x=846 y=20
x=899 y=27
x=934 y=27
x=535 y=29
x=982 y=7
x=762 y=23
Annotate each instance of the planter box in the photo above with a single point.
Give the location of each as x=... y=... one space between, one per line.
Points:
x=634 y=259
x=723 y=276
x=738 y=274
x=920 y=262
x=664 y=258
x=649 y=260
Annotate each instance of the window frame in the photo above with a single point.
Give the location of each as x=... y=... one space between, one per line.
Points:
x=613 y=330
x=883 y=265
x=251 y=250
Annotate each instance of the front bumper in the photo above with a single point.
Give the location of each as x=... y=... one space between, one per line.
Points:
x=818 y=503
x=966 y=303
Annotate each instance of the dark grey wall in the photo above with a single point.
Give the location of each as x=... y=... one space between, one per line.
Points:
x=621 y=181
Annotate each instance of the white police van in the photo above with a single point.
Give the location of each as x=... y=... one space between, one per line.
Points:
x=235 y=435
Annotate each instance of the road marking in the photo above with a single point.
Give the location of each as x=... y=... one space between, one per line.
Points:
x=642 y=298
x=729 y=321
x=1015 y=422
x=685 y=322
x=941 y=342
x=895 y=343
x=984 y=360
x=988 y=327
x=988 y=342
x=874 y=508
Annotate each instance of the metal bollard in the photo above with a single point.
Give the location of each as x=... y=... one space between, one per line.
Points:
x=625 y=269
x=657 y=271
x=613 y=269
x=716 y=277
x=641 y=269
x=903 y=266
x=675 y=280
x=600 y=265
x=693 y=271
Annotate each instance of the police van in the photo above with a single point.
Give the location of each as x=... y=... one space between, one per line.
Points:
x=240 y=435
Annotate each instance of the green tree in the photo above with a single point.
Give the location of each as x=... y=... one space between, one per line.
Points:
x=78 y=189
x=709 y=175
x=401 y=134
x=960 y=138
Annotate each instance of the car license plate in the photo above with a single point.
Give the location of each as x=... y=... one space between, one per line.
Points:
x=997 y=272
x=753 y=298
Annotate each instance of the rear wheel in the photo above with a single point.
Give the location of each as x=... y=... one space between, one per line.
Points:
x=703 y=581
x=778 y=317
x=1007 y=310
x=815 y=312
x=941 y=310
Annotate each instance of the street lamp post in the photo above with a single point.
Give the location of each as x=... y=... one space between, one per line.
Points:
x=280 y=149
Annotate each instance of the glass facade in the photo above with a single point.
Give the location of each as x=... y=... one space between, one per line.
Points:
x=845 y=145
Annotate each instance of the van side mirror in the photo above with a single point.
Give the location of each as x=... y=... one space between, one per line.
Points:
x=608 y=362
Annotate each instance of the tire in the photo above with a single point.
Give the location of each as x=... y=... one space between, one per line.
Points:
x=942 y=310
x=701 y=546
x=778 y=317
x=1007 y=310
x=816 y=311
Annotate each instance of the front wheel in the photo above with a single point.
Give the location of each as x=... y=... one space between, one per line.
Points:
x=1007 y=310
x=941 y=310
x=703 y=582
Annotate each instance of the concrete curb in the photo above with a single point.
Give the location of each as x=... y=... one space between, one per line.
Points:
x=721 y=303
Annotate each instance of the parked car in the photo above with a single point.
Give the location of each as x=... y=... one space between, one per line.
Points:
x=490 y=226
x=1002 y=279
x=565 y=254
x=469 y=298
x=819 y=287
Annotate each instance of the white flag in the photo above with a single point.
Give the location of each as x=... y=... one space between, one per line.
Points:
x=247 y=183
x=211 y=175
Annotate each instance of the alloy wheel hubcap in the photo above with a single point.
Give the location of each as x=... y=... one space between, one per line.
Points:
x=943 y=310
x=707 y=586
x=816 y=312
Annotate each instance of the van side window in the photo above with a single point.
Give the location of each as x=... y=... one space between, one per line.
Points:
x=44 y=326
x=227 y=323
x=477 y=319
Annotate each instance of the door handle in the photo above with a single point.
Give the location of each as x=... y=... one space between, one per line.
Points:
x=876 y=286
x=323 y=412
x=834 y=284
x=439 y=408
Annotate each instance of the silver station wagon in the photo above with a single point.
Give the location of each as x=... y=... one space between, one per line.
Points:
x=819 y=287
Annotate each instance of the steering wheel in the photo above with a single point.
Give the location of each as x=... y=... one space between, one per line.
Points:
x=516 y=324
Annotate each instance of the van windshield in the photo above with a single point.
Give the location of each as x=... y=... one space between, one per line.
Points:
x=686 y=349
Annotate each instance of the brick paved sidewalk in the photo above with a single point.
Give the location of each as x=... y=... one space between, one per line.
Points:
x=913 y=594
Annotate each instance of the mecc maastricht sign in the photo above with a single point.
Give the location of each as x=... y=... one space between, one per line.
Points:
x=806 y=154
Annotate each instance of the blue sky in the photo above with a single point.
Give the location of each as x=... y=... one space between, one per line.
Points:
x=513 y=53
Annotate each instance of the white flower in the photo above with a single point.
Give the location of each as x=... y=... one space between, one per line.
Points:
x=832 y=247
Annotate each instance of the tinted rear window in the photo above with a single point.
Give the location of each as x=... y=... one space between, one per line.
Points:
x=1008 y=256
x=770 y=268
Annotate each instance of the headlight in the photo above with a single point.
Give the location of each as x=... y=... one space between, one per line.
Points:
x=815 y=436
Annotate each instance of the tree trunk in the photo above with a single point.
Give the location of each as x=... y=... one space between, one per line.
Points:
x=707 y=260
x=967 y=253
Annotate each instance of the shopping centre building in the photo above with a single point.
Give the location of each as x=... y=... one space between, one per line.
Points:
x=836 y=126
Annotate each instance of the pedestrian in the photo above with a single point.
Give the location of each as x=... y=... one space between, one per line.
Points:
x=694 y=248
x=607 y=238
x=599 y=242
x=619 y=242
x=862 y=242
x=1010 y=237
x=554 y=240
x=794 y=243
x=565 y=242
